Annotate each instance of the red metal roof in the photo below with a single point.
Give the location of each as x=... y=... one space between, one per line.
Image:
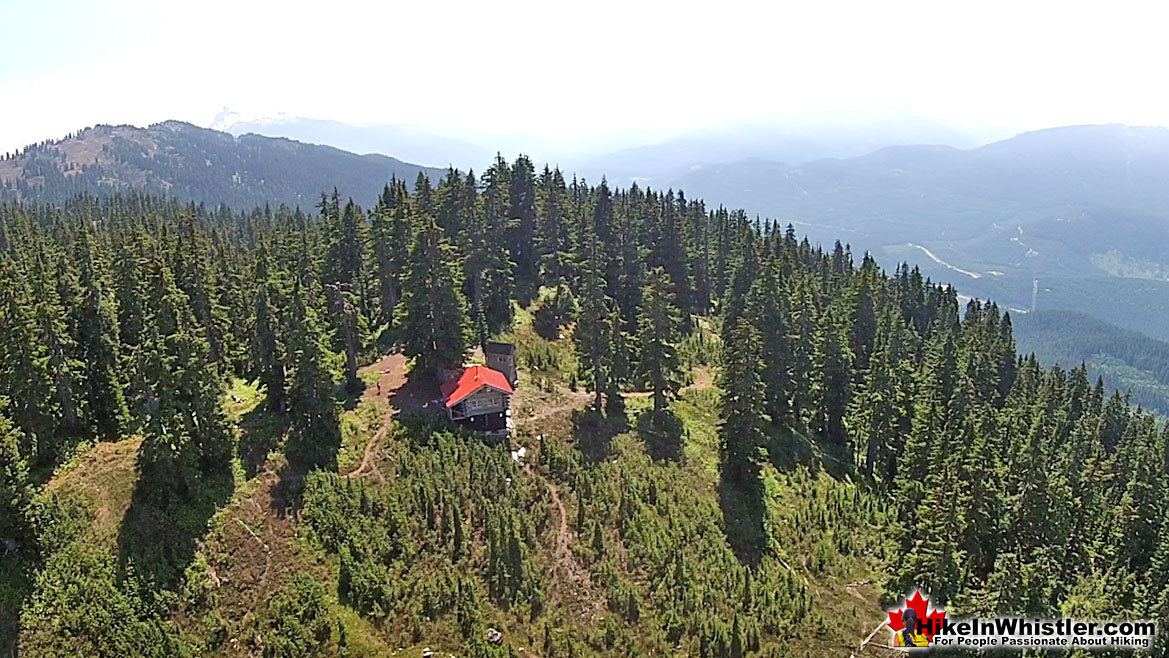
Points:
x=474 y=378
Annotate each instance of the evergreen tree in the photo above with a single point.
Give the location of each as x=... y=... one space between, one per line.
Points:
x=801 y=333
x=522 y=218
x=1024 y=577
x=658 y=357
x=495 y=308
x=881 y=410
x=742 y=433
x=15 y=490
x=390 y=238
x=24 y=376
x=97 y=344
x=342 y=304
x=1135 y=527
x=481 y=258
x=433 y=312
x=131 y=293
x=423 y=196
x=935 y=388
x=267 y=352
x=863 y=325
x=186 y=434
x=769 y=315
x=667 y=245
x=314 y=435
x=190 y=266
x=553 y=240
x=604 y=249
x=63 y=367
x=831 y=388
x=618 y=362
x=596 y=334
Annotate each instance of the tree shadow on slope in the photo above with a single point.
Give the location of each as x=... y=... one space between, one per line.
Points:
x=788 y=449
x=261 y=432
x=593 y=433
x=663 y=433
x=16 y=583
x=526 y=292
x=165 y=522
x=313 y=444
x=743 y=511
x=420 y=393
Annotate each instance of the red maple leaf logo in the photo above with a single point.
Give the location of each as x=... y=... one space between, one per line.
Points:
x=931 y=622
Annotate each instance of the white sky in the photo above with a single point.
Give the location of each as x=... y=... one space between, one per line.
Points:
x=570 y=69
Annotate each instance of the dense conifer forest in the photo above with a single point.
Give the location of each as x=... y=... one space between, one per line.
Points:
x=737 y=443
x=1126 y=360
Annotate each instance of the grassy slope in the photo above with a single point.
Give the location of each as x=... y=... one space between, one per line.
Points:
x=252 y=546
x=818 y=535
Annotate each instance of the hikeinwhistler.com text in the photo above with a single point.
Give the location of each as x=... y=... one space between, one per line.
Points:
x=1019 y=632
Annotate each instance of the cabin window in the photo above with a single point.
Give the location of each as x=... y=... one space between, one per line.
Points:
x=481 y=402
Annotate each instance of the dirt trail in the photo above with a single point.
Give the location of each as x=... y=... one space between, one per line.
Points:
x=572 y=584
x=563 y=534
x=540 y=408
x=575 y=401
x=391 y=370
x=368 y=464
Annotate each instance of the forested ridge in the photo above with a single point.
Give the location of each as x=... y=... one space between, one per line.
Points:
x=1126 y=360
x=862 y=436
x=180 y=160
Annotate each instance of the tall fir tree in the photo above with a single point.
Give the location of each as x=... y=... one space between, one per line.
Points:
x=61 y=363
x=833 y=380
x=390 y=238
x=15 y=490
x=433 y=313
x=742 y=434
x=593 y=336
x=24 y=375
x=314 y=433
x=657 y=363
x=768 y=312
x=522 y=218
x=268 y=358
x=97 y=343
x=553 y=238
x=186 y=434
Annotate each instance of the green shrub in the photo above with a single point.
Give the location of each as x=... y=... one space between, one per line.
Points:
x=297 y=622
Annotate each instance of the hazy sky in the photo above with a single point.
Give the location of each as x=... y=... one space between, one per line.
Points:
x=571 y=69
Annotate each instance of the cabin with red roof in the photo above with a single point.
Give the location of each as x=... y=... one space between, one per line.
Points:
x=478 y=398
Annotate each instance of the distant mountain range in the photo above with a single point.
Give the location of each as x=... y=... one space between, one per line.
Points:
x=409 y=142
x=794 y=139
x=196 y=164
x=623 y=157
x=1072 y=218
